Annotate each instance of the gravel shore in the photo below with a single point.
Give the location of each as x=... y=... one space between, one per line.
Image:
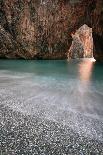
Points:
x=26 y=135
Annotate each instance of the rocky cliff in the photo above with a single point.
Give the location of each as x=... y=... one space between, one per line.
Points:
x=41 y=29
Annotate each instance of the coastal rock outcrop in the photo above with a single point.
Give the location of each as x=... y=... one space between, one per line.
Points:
x=41 y=29
x=82 y=44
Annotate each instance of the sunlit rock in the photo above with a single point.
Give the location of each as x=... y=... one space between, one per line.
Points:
x=82 y=44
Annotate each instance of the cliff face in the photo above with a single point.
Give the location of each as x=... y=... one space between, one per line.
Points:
x=97 y=24
x=41 y=29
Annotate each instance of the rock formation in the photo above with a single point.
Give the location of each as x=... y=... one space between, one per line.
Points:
x=82 y=44
x=41 y=29
x=97 y=25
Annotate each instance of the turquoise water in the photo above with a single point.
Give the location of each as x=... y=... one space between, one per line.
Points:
x=70 y=93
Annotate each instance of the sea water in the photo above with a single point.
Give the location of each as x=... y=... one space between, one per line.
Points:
x=69 y=93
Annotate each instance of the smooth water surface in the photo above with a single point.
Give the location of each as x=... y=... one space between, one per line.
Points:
x=70 y=93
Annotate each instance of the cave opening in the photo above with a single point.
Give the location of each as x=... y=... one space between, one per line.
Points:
x=82 y=43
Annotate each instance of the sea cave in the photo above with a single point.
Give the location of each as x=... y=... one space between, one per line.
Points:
x=51 y=77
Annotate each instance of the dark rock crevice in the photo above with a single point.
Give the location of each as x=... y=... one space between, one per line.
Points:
x=98 y=47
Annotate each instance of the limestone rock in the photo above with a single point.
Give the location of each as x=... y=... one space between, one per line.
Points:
x=36 y=29
x=82 y=44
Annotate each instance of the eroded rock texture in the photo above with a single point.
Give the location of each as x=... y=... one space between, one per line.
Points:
x=82 y=44
x=97 y=24
x=41 y=29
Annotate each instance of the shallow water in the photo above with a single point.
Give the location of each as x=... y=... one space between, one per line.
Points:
x=69 y=93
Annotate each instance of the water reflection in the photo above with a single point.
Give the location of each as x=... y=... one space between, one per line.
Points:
x=85 y=70
x=85 y=74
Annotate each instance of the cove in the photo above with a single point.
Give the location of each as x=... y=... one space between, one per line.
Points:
x=55 y=105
